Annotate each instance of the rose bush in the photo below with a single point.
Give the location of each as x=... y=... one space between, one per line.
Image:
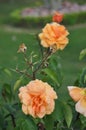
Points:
x=38 y=100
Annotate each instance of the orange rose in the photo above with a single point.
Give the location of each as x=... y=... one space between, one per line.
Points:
x=78 y=95
x=37 y=98
x=54 y=34
x=57 y=17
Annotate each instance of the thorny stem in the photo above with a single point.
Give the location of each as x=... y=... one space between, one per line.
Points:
x=41 y=126
x=21 y=72
x=26 y=60
x=55 y=125
x=41 y=64
x=33 y=76
x=13 y=119
x=3 y=95
x=25 y=57
x=29 y=64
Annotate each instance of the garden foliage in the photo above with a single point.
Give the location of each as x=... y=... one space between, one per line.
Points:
x=38 y=100
x=69 y=19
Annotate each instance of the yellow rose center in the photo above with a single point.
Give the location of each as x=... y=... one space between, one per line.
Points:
x=83 y=92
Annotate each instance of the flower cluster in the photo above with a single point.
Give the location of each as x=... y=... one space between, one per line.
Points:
x=37 y=97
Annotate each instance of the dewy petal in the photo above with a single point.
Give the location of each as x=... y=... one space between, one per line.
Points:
x=81 y=106
x=75 y=92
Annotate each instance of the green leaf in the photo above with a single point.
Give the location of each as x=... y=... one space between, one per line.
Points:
x=7 y=88
x=17 y=84
x=26 y=124
x=82 y=80
x=53 y=75
x=17 y=128
x=56 y=116
x=9 y=108
x=83 y=119
x=58 y=112
x=63 y=93
x=83 y=122
x=8 y=72
x=49 y=122
x=67 y=114
x=82 y=54
x=1 y=119
x=56 y=66
x=7 y=91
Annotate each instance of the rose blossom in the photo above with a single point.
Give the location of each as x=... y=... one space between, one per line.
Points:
x=78 y=95
x=37 y=98
x=54 y=34
x=57 y=17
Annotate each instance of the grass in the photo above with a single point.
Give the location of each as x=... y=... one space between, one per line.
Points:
x=9 y=44
x=10 y=38
x=72 y=66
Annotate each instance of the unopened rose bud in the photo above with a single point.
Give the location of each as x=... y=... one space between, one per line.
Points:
x=53 y=48
x=57 y=17
x=22 y=48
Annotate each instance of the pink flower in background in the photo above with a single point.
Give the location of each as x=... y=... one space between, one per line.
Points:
x=78 y=95
x=37 y=98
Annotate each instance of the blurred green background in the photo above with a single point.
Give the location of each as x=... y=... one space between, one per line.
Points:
x=11 y=37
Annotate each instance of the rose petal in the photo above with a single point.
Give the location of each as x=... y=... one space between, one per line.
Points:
x=81 y=106
x=75 y=92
